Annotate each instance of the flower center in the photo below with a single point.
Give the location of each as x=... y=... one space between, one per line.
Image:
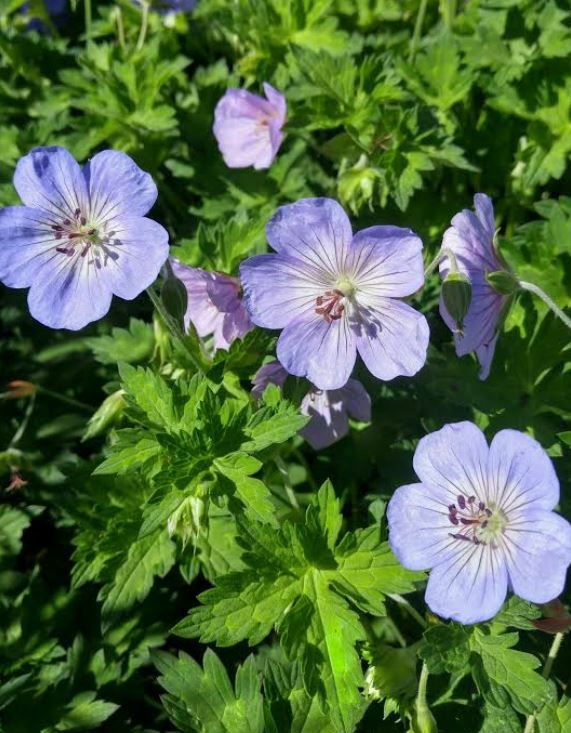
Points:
x=476 y=522
x=330 y=305
x=75 y=232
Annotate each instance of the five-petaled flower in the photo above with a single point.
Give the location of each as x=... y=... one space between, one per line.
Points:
x=482 y=519
x=328 y=410
x=81 y=236
x=334 y=294
x=214 y=304
x=471 y=240
x=248 y=128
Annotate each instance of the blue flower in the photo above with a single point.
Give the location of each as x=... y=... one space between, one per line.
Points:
x=81 y=236
x=482 y=518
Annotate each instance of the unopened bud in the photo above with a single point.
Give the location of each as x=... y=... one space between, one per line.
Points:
x=503 y=282
x=175 y=299
x=106 y=415
x=20 y=388
x=457 y=296
x=188 y=520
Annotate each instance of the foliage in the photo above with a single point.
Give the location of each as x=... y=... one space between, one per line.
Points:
x=164 y=536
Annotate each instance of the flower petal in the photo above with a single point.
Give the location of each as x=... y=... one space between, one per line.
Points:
x=419 y=527
x=199 y=309
x=51 y=179
x=118 y=187
x=279 y=288
x=356 y=400
x=537 y=545
x=471 y=239
x=469 y=586
x=317 y=232
x=521 y=473
x=72 y=294
x=386 y=261
x=485 y=354
x=392 y=338
x=278 y=102
x=133 y=261
x=323 y=352
x=328 y=423
x=27 y=244
x=454 y=459
x=271 y=373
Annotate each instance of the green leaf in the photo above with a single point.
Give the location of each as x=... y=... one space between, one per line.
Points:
x=506 y=670
x=131 y=345
x=252 y=492
x=446 y=648
x=206 y=695
x=151 y=556
x=85 y=713
x=368 y=571
x=151 y=394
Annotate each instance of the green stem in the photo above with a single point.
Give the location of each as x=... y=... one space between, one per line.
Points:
x=282 y=468
x=424 y=720
x=530 y=287
x=120 y=28
x=88 y=21
x=417 y=29
x=309 y=478
x=410 y=608
x=172 y=327
x=442 y=254
x=24 y=424
x=551 y=657
x=448 y=10
x=66 y=400
x=144 y=25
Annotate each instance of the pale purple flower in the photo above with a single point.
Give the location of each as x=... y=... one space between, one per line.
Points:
x=482 y=519
x=54 y=8
x=248 y=128
x=81 y=236
x=170 y=7
x=471 y=240
x=334 y=294
x=214 y=304
x=328 y=410
x=270 y=373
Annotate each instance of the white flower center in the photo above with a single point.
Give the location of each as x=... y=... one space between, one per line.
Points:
x=477 y=522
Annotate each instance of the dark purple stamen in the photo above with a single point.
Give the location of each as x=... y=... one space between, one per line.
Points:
x=461 y=502
x=472 y=515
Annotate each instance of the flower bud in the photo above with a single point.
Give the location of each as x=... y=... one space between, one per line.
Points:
x=20 y=388
x=457 y=296
x=423 y=720
x=503 y=282
x=175 y=298
x=106 y=415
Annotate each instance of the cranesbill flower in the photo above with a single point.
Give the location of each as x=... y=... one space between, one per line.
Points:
x=328 y=410
x=482 y=519
x=81 y=236
x=248 y=128
x=334 y=294
x=214 y=304
x=170 y=7
x=471 y=240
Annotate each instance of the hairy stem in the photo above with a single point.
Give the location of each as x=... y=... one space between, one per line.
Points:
x=417 y=29
x=410 y=608
x=144 y=25
x=551 y=657
x=66 y=400
x=172 y=326
x=442 y=254
x=547 y=300
x=88 y=20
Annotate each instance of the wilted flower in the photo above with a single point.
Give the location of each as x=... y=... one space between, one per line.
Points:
x=81 y=236
x=214 y=304
x=328 y=410
x=471 y=240
x=248 y=128
x=20 y=388
x=482 y=519
x=334 y=294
